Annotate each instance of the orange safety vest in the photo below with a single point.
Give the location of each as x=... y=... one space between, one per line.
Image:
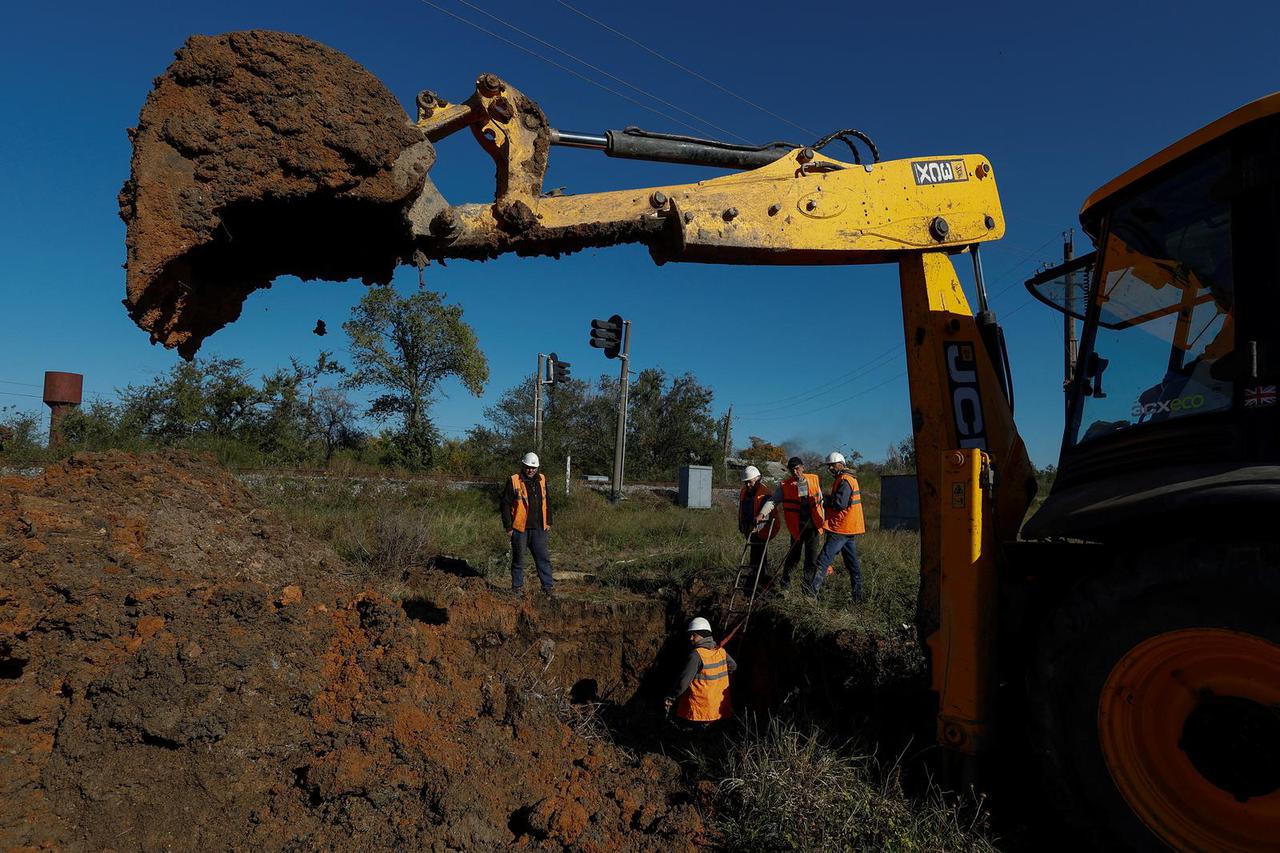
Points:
x=848 y=521
x=520 y=509
x=707 y=698
x=793 y=502
x=758 y=496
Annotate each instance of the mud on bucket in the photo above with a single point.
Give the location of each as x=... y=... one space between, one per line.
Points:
x=259 y=154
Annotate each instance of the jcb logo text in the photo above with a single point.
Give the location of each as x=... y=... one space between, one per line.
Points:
x=939 y=171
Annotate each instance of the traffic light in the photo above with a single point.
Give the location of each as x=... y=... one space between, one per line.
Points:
x=607 y=335
x=559 y=370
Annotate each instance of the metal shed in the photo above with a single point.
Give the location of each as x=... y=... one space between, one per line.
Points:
x=695 y=486
x=899 y=502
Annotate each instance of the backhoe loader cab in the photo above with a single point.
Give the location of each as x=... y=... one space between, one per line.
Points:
x=1173 y=413
x=1156 y=685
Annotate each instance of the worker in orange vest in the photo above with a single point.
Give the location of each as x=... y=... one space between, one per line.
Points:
x=753 y=495
x=526 y=518
x=800 y=497
x=844 y=521
x=701 y=696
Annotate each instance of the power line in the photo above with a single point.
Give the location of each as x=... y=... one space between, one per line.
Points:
x=840 y=402
x=771 y=404
x=1029 y=301
x=818 y=390
x=600 y=70
x=672 y=62
x=15 y=382
x=863 y=369
x=1017 y=264
x=564 y=68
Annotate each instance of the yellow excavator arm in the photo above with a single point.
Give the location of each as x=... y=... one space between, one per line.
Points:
x=801 y=208
x=975 y=479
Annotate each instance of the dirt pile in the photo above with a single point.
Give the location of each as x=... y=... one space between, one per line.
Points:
x=259 y=154
x=180 y=670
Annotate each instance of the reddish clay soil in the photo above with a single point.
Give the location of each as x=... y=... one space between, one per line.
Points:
x=259 y=154
x=178 y=669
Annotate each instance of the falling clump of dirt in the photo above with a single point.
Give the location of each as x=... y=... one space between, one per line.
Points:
x=259 y=154
x=179 y=669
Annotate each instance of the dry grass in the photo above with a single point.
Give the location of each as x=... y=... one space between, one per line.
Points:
x=643 y=542
x=784 y=788
x=890 y=581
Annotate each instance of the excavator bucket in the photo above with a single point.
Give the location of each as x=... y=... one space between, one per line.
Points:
x=259 y=154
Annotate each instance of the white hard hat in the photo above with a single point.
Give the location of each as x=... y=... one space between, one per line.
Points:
x=700 y=624
x=835 y=457
x=530 y=459
x=750 y=473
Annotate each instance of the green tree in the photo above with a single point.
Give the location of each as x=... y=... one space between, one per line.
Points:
x=213 y=404
x=579 y=420
x=334 y=416
x=900 y=458
x=406 y=347
x=21 y=441
x=204 y=396
x=291 y=421
x=669 y=425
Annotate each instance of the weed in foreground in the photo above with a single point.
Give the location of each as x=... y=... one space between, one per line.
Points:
x=784 y=788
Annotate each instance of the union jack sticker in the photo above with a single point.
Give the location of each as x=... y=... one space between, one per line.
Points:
x=1259 y=395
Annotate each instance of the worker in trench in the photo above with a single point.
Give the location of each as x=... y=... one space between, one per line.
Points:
x=753 y=495
x=527 y=520
x=800 y=496
x=701 y=694
x=844 y=521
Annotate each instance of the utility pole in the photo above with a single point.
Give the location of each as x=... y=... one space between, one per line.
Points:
x=1070 y=344
x=728 y=444
x=537 y=406
x=620 y=444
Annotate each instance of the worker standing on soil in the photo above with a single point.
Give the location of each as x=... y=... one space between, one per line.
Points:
x=527 y=518
x=751 y=498
x=701 y=696
x=801 y=498
x=844 y=521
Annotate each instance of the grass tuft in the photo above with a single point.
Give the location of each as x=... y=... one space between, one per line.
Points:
x=786 y=788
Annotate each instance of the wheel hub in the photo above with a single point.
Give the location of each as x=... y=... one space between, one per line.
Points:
x=1234 y=743
x=1189 y=727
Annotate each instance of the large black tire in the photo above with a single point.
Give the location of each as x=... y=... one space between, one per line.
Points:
x=1186 y=585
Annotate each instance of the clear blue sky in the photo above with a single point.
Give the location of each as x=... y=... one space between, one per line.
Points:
x=1060 y=97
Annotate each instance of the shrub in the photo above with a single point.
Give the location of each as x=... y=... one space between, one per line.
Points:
x=21 y=439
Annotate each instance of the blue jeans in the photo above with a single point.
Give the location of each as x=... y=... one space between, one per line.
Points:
x=838 y=543
x=537 y=542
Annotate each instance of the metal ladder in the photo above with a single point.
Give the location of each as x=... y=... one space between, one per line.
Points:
x=746 y=586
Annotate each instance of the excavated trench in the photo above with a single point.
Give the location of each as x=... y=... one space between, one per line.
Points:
x=869 y=687
x=619 y=654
